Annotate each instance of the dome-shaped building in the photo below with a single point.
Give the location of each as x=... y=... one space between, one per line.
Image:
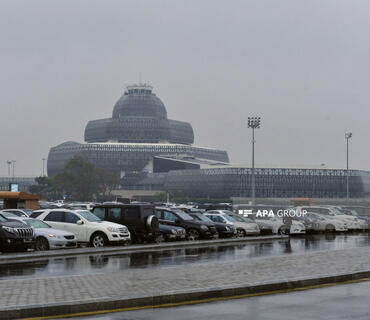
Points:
x=137 y=131
x=139 y=116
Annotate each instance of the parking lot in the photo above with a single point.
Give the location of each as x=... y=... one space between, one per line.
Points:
x=105 y=263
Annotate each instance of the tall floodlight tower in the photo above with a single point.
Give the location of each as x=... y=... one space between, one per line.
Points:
x=253 y=123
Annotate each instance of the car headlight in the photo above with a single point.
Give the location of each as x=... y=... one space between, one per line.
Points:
x=111 y=229
x=173 y=231
x=9 y=229
x=227 y=228
x=204 y=227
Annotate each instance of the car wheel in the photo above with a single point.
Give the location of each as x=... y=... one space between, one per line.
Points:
x=98 y=240
x=240 y=233
x=41 y=244
x=193 y=234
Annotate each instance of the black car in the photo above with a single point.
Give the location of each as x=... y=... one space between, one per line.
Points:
x=172 y=232
x=15 y=236
x=194 y=229
x=140 y=219
x=224 y=230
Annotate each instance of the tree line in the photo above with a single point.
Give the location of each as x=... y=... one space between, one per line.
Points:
x=79 y=181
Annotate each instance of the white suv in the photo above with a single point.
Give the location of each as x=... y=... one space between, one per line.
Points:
x=87 y=227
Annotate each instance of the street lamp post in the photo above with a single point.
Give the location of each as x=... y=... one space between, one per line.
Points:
x=43 y=166
x=253 y=123
x=348 y=135
x=13 y=161
x=9 y=163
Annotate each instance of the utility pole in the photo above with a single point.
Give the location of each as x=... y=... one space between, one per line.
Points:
x=253 y=123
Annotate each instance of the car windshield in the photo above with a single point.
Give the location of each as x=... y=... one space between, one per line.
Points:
x=238 y=218
x=36 y=223
x=200 y=217
x=246 y=219
x=89 y=216
x=182 y=214
x=228 y=218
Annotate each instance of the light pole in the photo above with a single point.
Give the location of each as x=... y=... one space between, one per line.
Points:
x=9 y=163
x=348 y=135
x=13 y=161
x=253 y=123
x=43 y=166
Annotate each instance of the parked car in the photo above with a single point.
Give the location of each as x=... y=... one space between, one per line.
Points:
x=19 y=212
x=170 y=233
x=315 y=222
x=140 y=219
x=360 y=212
x=48 y=237
x=224 y=230
x=242 y=227
x=278 y=226
x=194 y=229
x=353 y=223
x=15 y=235
x=87 y=227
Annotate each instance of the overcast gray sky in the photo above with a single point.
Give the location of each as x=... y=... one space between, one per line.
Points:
x=304 y=66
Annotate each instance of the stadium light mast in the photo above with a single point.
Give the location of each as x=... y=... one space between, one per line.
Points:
x=348 y=135
x=253 y=123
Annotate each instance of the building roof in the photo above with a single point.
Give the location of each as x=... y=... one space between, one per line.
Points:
x=18 y=195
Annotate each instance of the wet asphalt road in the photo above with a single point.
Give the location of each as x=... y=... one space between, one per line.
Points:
x=350 y=301
x=111 y=263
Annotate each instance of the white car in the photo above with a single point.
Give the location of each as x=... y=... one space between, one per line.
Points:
x=353 y=223
x=325 y=223
x=278 y=226
x=87 y=227
x=242 y=227
x=46 y=236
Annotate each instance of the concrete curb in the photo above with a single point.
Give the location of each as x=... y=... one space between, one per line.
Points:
x=37 y=255
x=18 y=312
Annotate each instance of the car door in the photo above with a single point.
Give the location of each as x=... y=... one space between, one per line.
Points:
x=55 y=219
x=170 y=218
x=79 y=230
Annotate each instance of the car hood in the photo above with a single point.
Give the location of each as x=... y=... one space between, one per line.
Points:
x=107 y=224
x=14 y=224
x=46 y=231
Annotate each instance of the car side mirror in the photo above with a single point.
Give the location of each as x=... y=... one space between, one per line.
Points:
x=80 y=222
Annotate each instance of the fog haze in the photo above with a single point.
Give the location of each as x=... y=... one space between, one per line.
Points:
x=303 y=66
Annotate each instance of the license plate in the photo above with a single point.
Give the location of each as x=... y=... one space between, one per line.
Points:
x=27 y=240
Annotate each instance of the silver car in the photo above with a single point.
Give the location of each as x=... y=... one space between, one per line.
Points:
x=48 y=237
